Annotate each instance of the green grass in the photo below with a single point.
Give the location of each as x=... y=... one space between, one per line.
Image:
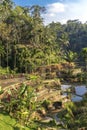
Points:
x=8 y=123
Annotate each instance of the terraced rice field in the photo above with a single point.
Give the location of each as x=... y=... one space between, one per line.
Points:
x=9 y=82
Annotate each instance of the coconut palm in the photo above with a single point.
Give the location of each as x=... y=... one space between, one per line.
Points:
x=70 y=56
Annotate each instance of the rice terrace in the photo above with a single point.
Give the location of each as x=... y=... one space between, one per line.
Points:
x=43 y=67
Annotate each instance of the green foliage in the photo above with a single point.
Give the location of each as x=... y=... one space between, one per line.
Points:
x=74 y=116
x=84 y=55
x=26 y=43
x=82 y=77
x=33 y=77
x=76 y=34
x=8 y=123
x=22 y=105
x=69 y=106
x=5 y=70
x=1 y=91
x=45 y=104
x=70 y=56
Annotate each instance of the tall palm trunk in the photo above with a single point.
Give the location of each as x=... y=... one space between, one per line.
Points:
x=15 y=59
x=7 y=54
x=0 y=60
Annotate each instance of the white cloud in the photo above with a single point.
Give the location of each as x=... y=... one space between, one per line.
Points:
x=61 y=12
x=53 y=10
x=56 y=7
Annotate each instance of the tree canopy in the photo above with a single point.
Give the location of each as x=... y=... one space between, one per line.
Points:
x=27 y=43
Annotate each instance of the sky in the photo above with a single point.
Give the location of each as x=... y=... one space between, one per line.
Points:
x=59 y=10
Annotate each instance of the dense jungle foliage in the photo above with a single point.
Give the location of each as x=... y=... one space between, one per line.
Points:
x=26 y=43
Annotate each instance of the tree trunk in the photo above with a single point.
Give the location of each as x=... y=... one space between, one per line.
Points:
x=7 y=55
x=0 y=60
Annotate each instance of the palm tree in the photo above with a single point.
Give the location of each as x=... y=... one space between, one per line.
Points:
x=2 y=52
x=70 y=56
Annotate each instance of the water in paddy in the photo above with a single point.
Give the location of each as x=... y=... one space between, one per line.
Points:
x=78 y=94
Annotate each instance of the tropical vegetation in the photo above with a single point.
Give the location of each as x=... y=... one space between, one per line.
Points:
x=46 y=56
